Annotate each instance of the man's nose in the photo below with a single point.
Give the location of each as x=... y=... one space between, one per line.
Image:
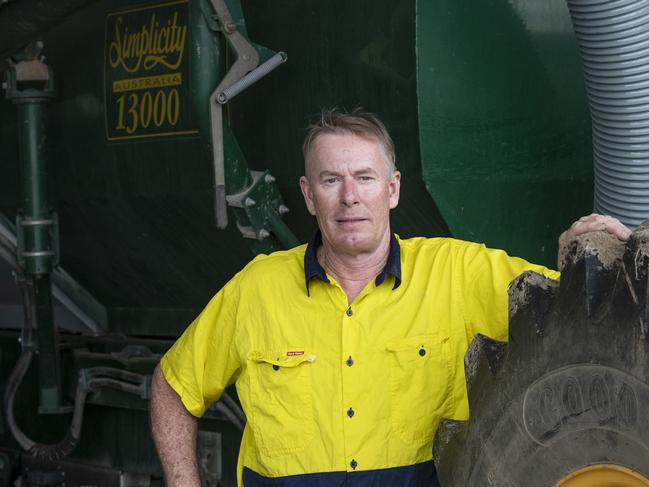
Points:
x=349 y=195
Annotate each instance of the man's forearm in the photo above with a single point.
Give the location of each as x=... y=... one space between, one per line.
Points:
x=174 y=434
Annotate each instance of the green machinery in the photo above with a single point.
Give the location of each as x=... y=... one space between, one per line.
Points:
x=149 y=149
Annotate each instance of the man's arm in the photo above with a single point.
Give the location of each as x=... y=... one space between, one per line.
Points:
x=590 y=223
x=174 y=433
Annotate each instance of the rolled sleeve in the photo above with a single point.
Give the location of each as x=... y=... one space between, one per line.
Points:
x=204 y=361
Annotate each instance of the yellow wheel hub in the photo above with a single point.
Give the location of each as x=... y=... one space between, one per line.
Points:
x=604 y=475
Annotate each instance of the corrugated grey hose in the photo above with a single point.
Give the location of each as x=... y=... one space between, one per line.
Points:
x=613 y=38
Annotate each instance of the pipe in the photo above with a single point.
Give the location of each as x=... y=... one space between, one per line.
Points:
x=36 y=220
x=36 y=224
x=282 y=231
x=252 y=77
x=613 y=38
x=26 y=20
x=48 y=354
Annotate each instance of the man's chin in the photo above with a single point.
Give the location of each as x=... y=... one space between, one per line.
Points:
x=353 y=244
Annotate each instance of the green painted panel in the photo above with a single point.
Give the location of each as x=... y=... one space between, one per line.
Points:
x=503 y=121
x=344 y=54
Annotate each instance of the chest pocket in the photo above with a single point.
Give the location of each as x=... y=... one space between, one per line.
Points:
x=420 y=381
x=282 y=415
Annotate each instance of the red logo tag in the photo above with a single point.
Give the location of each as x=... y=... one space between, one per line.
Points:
x=293 y=354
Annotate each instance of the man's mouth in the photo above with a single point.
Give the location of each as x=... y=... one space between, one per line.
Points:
x=349 y=221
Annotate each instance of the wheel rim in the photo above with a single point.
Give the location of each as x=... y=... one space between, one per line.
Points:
x=604 y=475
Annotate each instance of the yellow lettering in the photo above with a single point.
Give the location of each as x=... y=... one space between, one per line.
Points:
x=160 y=81
x=161 y=109
x=132 y=111
x=149 y=46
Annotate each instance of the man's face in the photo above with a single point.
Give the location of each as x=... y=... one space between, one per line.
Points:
x=350 y=192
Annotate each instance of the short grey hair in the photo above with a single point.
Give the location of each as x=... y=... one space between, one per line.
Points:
x=357 y=122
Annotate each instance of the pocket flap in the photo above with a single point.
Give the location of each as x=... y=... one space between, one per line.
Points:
x=418 y=341
x=289 y=358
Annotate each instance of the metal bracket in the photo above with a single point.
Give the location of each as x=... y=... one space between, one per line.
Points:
x=41 y=260
x=255 y=200
x=263 y=206
x=29 y=71
x=243 y=73
x=247 y=58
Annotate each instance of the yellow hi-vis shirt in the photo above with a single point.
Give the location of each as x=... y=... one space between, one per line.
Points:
x=337 y=389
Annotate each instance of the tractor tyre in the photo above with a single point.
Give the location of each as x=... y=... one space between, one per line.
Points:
x=565 y=403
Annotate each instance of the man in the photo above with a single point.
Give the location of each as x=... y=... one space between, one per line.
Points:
x=346 y=352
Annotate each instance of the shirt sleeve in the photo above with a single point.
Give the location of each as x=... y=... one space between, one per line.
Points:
x=203 y=361
x=488 y=273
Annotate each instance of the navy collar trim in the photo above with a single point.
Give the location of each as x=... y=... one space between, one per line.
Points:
x=312 y=267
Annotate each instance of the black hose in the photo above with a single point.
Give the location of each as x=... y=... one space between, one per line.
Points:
x=94 y=384
x=64 y=447
x=15 y=378
x=115 y=374
x=7 y=253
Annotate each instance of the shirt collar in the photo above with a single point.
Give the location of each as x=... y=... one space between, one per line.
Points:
x=312 y=267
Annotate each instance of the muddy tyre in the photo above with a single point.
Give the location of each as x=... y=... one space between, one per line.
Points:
x=566 y=401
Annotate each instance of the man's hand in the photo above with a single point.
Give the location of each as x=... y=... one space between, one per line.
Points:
x=174 y=434
x=590 y=223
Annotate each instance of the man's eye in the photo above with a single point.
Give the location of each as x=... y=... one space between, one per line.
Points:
x=330 y=180
x=366 y=178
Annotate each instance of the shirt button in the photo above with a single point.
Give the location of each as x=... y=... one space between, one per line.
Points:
x=275 y=367
x=422 y=352
x=349 y=311
x=353 y=464
x=349 y=361
x=350 y=412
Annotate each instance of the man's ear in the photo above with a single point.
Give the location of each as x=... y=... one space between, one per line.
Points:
x=395 y=188
x=305 y=186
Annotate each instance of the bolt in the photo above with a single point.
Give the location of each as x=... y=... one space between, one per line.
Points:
x=269 y=178
x=263 y=233
x=283 y=209
x=249 y=202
